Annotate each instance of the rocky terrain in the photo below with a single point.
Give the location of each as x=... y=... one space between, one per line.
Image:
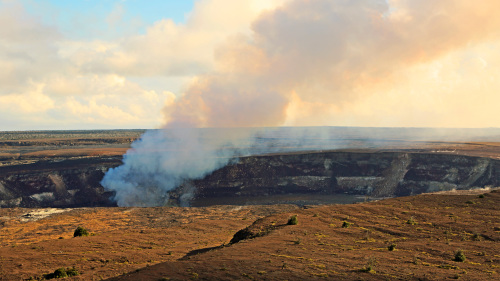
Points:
x=330 y=242
x=74 y=181
x=36 y=242
x=59 y=168
x=425 y=237
x=419 y=237
x=374 y=174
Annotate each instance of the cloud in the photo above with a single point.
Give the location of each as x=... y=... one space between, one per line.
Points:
x=116 y=15
x=33 y=101
x=26 y=48
x=309 y=59
x=261 y=63
x=80 y=77
x=168 y=48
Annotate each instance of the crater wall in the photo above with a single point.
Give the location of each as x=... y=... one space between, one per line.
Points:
x=76 y=183
x=66 y=183
x=383 y=174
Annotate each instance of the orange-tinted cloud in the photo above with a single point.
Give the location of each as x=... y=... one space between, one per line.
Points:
x=330 y=56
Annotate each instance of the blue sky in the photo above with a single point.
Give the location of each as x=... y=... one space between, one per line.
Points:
x=79 y=19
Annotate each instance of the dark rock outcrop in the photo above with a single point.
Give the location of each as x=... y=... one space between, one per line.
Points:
x=69 y=183
x=76 y=183
x=384 y=174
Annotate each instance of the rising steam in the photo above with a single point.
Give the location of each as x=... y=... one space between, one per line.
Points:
x=161 y=160
x=310 y=53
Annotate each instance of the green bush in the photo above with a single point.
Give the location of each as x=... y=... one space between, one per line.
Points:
x=411 y=221
x=293 y=220
x=477 y=237
x=72 y=271
x=460 y=256
x=80 y=231
x=392 y=247
x=62 y=273
x=346 y=224
x=481 y=196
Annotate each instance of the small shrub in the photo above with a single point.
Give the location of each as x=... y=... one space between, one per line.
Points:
x=62 y=273
x=411 y=221
x=370 y=266
x=293 y=220
x=80 y=231
x=297 y=242
x=477 y=237
x=470 y=202
x=392 y=247
x=481 y=196
x=346 y=224
x=72 y=271
x=460 y=256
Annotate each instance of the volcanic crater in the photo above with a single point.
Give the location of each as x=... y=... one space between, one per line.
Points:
x=42 y=171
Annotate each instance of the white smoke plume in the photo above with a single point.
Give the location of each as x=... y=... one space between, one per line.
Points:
x=318 y=55
x=161 y=160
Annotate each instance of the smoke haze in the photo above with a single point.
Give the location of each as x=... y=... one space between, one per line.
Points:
x=305 y=61
x=327 y=55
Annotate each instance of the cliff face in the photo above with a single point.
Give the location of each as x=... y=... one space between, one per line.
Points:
x=374 y=174
x=75 y=183
x=56 y=184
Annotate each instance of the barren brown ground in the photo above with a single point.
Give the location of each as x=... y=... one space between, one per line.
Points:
x=124 y=239
x=320 y=248
x=156 y=243
x=27 y=146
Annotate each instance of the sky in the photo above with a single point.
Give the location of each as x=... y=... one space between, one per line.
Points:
x=118 y=64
